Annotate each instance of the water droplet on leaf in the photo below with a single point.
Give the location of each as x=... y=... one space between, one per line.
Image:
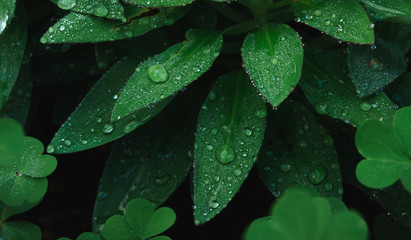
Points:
x=158 y=73
x=225 y=154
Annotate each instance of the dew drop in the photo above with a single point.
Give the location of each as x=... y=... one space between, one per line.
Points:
x=102 y=195
x=274 y=61
x=209 y=147
x=214 y=131
x=108 y=128
x=50 y=149
x=328 y=141
x=304 y=144
x=214 y=204
x=261 y=113
x=66 y=4
x=131 y=126
x=365 y=106
x=328 y=186
x=247 y=131
x=317 y=12
x=237 y=172
x=335 y=166
x=100 y=10
x=285 y=168
x=225 y=154
x=158 y=73
x=317 y=174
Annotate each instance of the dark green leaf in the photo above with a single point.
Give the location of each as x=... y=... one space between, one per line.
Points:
x=90 y=126
x=395 y=32
x=230 y=131
x=400 y=90
x=104 y=8
x=13 y=43
x=150 y=163
x=372 y=68
x=345 y=225
x=166 y=73
x=117 y=228
x=159 y=3
x=76 y=27
x=342 y=19
x=298 y=151
x=328 y=87
x=273 y=58
x=20 y=231
x=14 y=210
x=202 y=15
x=382 y=9
x=18 y=103
x=402 y=127
x=6 y=13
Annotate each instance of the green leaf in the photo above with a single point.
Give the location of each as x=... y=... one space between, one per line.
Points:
x=345 y=225
x=160 y=238
x=159 y=3
x=261 y=229
x=11 y=140
x=328 y=87
x=25 y=179
x=106 y=8
x=14 y=210
x=161 y=220
x=117 y=228
x=406 y=179
x=399 y=91
x=80 y=28
x=88 y=236
x=166 y=73
x=297 y=151
x=342 y=19
x=138 y=213
x=90 y=125
x=273 y=58
x=6 y=13
x=18 y=103
x=383 y=9
x=402 y=127
x=13 y=43
x=20 y=231
x=374 y=68
x=230 y=131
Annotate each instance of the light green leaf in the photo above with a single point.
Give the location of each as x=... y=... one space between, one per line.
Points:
x=11 y=140
x=273 y=58
x=90 y=125
x=105 y=8
x=80 y=28
x=138 y=214
x=151 y=162
x=166 y=73
x=13 y=43
x=159 y=3
x=345 y=225
x=261 y=229
x=230 y=131
x=117 y=228
x=160 y=238
x=88 y=236
x=162 y=219
x=402 y=126
x=372 y=68
x=383 y=9
x=342 y=19
x=6 y=13
x=20 y=231
x=297 y=151
x=328 y=87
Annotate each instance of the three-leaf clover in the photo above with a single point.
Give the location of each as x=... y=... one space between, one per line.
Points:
x=387 y=150
x=23 y=173
x=299 y=214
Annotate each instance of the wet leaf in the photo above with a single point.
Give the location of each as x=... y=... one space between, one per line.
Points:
x=20 y=231
x=326 y=84
x=342 y=19
x=372 y=68
x=231 y=127
x=90 y=126
x=273 y=58
x=398 y=10
x=297 y=151
x=168 y=72
x=13 y=43
x=80 y=28
x=150 y=163
x=6 y=13
x=159 y=3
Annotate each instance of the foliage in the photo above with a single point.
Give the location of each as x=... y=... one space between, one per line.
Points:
x=207 y=90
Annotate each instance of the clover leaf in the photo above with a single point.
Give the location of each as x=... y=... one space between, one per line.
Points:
x=23 y=175
x=19 y=230
x=299 y=214
x=387 y=150
x=140 y=222
x=84 y=236
x=11 y=138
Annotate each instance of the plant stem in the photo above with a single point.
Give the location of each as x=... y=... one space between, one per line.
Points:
x=3 y=215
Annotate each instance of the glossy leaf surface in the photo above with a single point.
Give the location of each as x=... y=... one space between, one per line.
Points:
x=159 y=3
x=105 y=8
x=13 y=43
x=90 y=126
x=297 y=151
x=20 y=231
x=273 y=58
x=300 y=215
x=342 y=19
x=150 y=163
x=79 y=28
x=168 y=72
x=6 y=13
x=382 y=9
x=374 y=67
x=231 y=127
x=328 y=87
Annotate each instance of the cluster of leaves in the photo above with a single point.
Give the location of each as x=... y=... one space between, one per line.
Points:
x=220 y=124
